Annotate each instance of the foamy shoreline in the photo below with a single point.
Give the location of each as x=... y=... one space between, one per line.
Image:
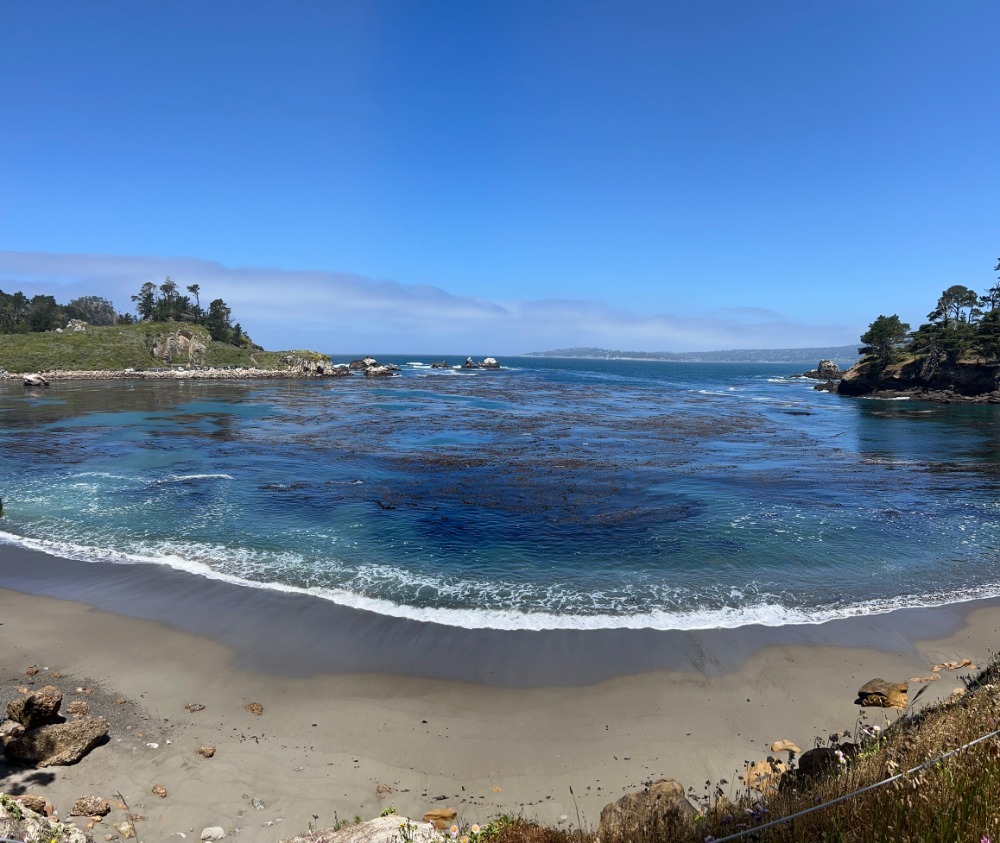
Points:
x=493 y=721
x=235 y=373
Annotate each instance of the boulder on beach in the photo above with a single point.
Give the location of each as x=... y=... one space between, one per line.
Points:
x=388 y=829
x=650 y=813
x=39 y=708
x=878 y=692
x=57 y=745
x=35 y=380
x=441 y=818
x=90 y=806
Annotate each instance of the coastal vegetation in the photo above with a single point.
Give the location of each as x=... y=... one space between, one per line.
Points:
x=169 y=329
x=153 y=304
x=955 y=354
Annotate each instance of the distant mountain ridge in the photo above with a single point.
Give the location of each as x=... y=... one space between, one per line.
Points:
x=838 y=353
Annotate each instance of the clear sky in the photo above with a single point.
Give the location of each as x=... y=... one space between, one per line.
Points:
x=497 y=177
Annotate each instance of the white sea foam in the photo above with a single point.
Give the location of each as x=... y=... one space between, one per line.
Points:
x=184 y=478
x=763 y=613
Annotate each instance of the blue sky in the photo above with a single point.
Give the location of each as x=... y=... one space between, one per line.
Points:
x=499 y=177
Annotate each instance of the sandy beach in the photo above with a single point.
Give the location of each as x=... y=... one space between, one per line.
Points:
x=362 y=712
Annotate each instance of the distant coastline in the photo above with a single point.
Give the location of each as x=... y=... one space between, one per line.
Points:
x=839 y=354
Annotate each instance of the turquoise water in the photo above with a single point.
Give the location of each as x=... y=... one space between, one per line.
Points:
x=552 y=493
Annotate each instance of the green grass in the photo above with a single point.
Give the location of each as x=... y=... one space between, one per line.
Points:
x=126 y=346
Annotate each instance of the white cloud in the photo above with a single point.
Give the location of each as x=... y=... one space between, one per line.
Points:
x=342 y=313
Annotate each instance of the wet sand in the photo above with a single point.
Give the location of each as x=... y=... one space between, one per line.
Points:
x=363 y=711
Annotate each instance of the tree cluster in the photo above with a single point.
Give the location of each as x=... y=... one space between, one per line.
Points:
x=165 y=303
x=963 y=324
x=21 y=315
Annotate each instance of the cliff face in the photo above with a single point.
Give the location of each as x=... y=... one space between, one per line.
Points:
x=925 y=377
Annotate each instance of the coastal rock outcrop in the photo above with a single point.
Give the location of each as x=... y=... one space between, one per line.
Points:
x=372 y=368
x=381 y=371
x=179 y=347
x=927 y=378
x=826 y=370
x=648 y=813
x=57 y=745
x=39 y=708
x=35 y=380
x=485 y=363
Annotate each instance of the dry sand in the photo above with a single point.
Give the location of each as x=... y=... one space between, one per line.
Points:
x=334 y=744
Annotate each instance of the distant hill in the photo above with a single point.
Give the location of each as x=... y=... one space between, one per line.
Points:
x=838 y=353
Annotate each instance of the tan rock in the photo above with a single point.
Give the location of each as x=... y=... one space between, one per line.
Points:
x=125 y=829
x=389 y=829
x=764 y=775
x=38 y=708
x=31 y=802
x=90 y=806
x=78 y=708
x=441 y=818
x=206 y=751
x=254 y=708
x=785 y=746
x=159 y=790
x=59 y=744
x=653 y=813
x=879 y=692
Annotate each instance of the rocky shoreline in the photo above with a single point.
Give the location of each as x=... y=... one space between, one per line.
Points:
x=297 y=368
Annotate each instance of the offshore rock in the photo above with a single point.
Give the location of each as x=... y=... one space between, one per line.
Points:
x=485 y=363
x=381 y=371
x=57 y=745
x=39 y=708
x=647 y=814
x=826 y=370
x=35 y=380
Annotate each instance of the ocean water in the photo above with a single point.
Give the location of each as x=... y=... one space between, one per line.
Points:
x=549 y=494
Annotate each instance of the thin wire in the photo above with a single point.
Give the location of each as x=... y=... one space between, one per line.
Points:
x=791 y=817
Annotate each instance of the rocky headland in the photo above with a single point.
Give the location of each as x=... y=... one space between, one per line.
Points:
x=925 y=378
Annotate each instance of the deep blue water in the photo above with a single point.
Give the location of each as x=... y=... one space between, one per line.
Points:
x=552 y=493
